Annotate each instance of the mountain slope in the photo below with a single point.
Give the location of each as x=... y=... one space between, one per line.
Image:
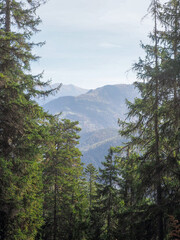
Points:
x=65 y=90
x=97 y=109
x=97 y=112
x=94 y=145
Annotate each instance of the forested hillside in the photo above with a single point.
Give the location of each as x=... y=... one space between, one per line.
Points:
x=97 y=112
x=94 y=145
x=97 y=109
x=45 y=191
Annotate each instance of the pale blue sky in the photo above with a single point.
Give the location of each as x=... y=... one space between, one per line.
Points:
x=91 y=43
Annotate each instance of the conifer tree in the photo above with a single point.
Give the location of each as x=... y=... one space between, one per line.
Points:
x=64 y=201
x=21 y=125
x=132 y=219
x=91 y=174
x=149 y=119
x=107 y=193
x=171 y=83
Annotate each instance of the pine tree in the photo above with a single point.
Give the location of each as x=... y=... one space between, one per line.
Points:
x=107 y=193
x=64 y=201
x=132 y=216
x=91 y=173
x=150 y=121
x=171 y=82
x=21 y=127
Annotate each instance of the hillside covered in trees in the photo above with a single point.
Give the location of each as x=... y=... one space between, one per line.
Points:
x=45 y=192
x=97 y=112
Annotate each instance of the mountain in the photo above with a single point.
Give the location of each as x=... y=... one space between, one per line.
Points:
x=97 y=111
x=65 y=90
x=94 y=145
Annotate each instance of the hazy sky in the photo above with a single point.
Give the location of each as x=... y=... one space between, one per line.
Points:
x=91 y=43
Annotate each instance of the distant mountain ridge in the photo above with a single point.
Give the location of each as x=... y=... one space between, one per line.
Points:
x=97 y=111
x=65 y=90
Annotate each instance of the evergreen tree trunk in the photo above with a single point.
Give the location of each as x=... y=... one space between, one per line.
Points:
x=156 y=128
x=55 y=209
x=8 y=17
x=175 y=48
x=5 y=65
x=90 y=196
x=109 y=215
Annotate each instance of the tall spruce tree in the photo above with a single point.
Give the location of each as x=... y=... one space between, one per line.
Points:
x=132 y=220
x=64 y=194
x=149 y=119
x=91 y=174
x=107 y=194
x=20 y=122
x=170 y=130
x=170 y=16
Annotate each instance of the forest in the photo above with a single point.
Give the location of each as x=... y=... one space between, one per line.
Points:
x=46 y=193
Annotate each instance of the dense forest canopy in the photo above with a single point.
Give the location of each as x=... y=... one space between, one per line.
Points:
x=45 y=191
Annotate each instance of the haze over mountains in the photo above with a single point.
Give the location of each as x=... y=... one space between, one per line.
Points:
x=65 y=90
x=97 y=111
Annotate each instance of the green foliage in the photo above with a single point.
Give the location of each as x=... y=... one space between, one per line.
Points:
x=154 y=122
x=44 y=193
x=91 y=175
x=107 y=195
x=64 y=200
x=21 y=128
